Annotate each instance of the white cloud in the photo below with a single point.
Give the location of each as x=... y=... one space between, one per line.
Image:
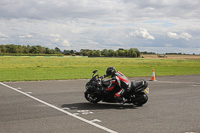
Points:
x=26 y=36
x=66 y=43
x=58 y=39
x=2 y=35
x=168 y=45
x=93 y=42
x=173 y=35
x=142 y=33
x=185 y=36
x=55 y=35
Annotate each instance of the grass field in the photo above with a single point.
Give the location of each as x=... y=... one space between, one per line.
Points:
x=13 y=68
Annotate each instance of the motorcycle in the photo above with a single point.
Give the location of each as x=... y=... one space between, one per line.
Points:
x=95 y=91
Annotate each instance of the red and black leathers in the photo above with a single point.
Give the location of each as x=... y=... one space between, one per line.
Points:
x=119 y=84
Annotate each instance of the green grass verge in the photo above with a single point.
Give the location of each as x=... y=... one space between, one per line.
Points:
x=55 y=68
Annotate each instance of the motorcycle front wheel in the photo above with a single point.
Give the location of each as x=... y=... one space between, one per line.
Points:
x=92 y=98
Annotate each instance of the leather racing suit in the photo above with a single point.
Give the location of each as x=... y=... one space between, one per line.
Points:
x=119 y=84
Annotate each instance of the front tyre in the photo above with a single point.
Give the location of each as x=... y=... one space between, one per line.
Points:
x=92 y=98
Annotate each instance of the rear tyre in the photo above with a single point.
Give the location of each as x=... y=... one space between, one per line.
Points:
x=92 y=98
x=142 y=99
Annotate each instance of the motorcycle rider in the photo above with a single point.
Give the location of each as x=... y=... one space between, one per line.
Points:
x=119 y=83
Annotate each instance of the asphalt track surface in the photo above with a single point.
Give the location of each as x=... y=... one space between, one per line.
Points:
x=60 y=106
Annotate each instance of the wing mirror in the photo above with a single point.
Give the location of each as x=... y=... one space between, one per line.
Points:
x=95 y=71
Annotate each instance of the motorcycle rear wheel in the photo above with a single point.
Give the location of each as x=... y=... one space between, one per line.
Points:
x=92 y=98
x=142 y=101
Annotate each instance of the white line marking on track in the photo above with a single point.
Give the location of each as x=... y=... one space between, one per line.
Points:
x=61 y=110
x=172 y=82
x=65 y=108
x=194 y=85
x=85 y=112
x=75 y=113
x=96 y=120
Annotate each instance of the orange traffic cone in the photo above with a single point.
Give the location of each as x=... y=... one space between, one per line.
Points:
x=153 y=78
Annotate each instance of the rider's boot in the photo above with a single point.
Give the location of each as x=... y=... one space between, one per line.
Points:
x=120 y=100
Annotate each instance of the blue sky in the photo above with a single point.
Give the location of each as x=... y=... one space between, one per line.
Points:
x=160 y=26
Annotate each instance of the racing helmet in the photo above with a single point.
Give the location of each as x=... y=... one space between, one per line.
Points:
x=110 y=71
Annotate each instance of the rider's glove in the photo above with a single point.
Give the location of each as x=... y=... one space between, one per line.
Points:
x=105 y=76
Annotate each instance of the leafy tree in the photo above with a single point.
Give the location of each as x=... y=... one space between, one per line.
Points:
x=66 y=52
x=86 y=52
x=132 y=53
x=111 y=53
x=104 y=52
x=3 y=49
x=57 y=50
x=47 y=51
x=34 y=50
x=121 y=52
x=98 y=53
x=137 y=52
x=27 y=49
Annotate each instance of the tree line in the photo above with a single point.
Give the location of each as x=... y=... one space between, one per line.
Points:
x=11 y=49
x=22 y=49
x=132 y=52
